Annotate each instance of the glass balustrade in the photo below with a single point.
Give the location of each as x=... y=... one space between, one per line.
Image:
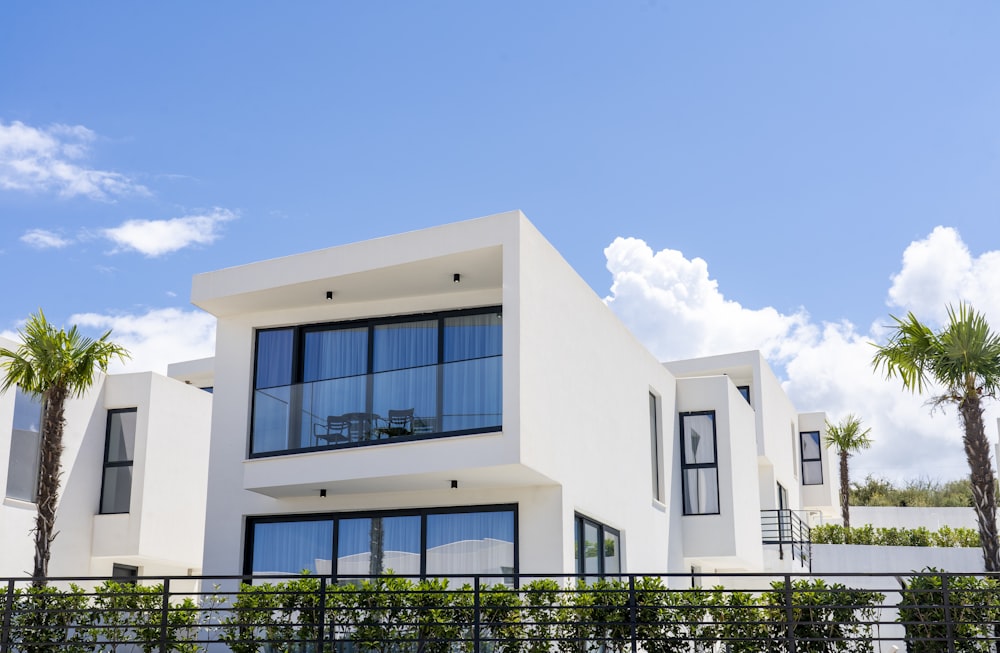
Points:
x=430 y=400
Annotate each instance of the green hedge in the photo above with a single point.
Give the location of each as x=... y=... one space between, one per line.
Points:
x=944 y=536
x=399 y=615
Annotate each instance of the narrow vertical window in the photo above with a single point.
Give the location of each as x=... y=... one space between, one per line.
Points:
x=272 y=397
x=812 y=458
x=655 y=447
x=119 y=452
x=745 y=391
x=699 y=466
x=22 y=468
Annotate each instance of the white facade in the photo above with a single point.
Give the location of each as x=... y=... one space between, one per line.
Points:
x=157 y=525
x=575 y=450
x=760 y=465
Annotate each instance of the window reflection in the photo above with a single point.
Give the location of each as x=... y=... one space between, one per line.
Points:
x=456 y=543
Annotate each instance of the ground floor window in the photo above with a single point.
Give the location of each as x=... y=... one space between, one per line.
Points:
x=443 y=541
x=598 y=547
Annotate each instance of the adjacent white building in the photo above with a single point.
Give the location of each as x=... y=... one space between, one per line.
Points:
x=135 y=466
x=456 y=400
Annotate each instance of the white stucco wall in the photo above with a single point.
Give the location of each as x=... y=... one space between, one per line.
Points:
x=584 y=390
x=860 y=558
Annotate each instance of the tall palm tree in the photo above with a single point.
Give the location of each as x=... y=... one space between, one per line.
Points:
x=52 y=365
x=847 y=437
x=964 y=359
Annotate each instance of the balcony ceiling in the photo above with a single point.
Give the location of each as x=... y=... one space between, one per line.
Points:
x=302 y=281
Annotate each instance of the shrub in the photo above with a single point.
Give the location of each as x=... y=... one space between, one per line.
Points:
x=920 y=536
x=931 y=599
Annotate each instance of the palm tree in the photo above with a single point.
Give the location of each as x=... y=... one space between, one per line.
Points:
x=847 y=437
x=52 y=365
x=964 y=359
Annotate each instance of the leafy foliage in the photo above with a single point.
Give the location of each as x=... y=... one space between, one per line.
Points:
x=920 y=536
x=915 y=493
x=931 y=600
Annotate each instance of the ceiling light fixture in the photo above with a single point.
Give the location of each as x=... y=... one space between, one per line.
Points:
x=457 y=278
x=329 y=295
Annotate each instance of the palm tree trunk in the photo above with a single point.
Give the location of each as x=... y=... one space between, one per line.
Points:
x=49 y=477
x=977 y=452
x=845 y=496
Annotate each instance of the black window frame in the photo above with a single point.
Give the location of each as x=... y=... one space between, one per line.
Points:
x=580 y=522
x=685 y=466
x=299 y=332
x=818 y=459
x=335 y=517
x=745 y=391
x=116 y=463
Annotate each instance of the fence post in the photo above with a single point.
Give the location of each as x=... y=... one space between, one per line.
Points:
x=476 y=616
x=789 y=617
x=8 y=610
x=633 y=612
x=948 y=622
x=164 y=608
x=321 y=625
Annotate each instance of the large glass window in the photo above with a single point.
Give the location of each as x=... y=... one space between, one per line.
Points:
x=699 y=464
x=812 y=458
x=446 y=542
x=25 y=441
x=370 y=381
x=119 y=452
x=598 y=547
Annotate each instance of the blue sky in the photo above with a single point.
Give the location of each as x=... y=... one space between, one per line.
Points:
x=798 y=149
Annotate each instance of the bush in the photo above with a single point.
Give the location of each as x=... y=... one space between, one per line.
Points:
x=921 y=536
x=824 y=617
x=971 y=604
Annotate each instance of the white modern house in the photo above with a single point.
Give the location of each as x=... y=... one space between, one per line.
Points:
x=456 y=400
x=133 y=484
x=773 y=466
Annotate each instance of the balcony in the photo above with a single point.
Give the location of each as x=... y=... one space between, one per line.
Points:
x=426 y=401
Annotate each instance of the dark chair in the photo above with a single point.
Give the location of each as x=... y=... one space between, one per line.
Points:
x=399 y=422
x=335 y=431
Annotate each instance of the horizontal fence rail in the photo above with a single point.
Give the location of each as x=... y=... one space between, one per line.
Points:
x=919 y=612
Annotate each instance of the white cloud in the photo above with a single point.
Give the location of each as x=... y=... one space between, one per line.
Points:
x=34 y=159
x=940 y=270
x=158 y=237
x=678 y=311
x=44 y=239
x=155 y=338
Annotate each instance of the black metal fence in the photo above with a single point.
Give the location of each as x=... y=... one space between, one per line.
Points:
x=920 y=612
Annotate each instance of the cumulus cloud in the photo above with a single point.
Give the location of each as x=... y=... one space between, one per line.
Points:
x=44 y=239
x=940 y=270
x=158 y=237
x=678 y=311
x=49 y=159
x=673 y=305
x=155 y=338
